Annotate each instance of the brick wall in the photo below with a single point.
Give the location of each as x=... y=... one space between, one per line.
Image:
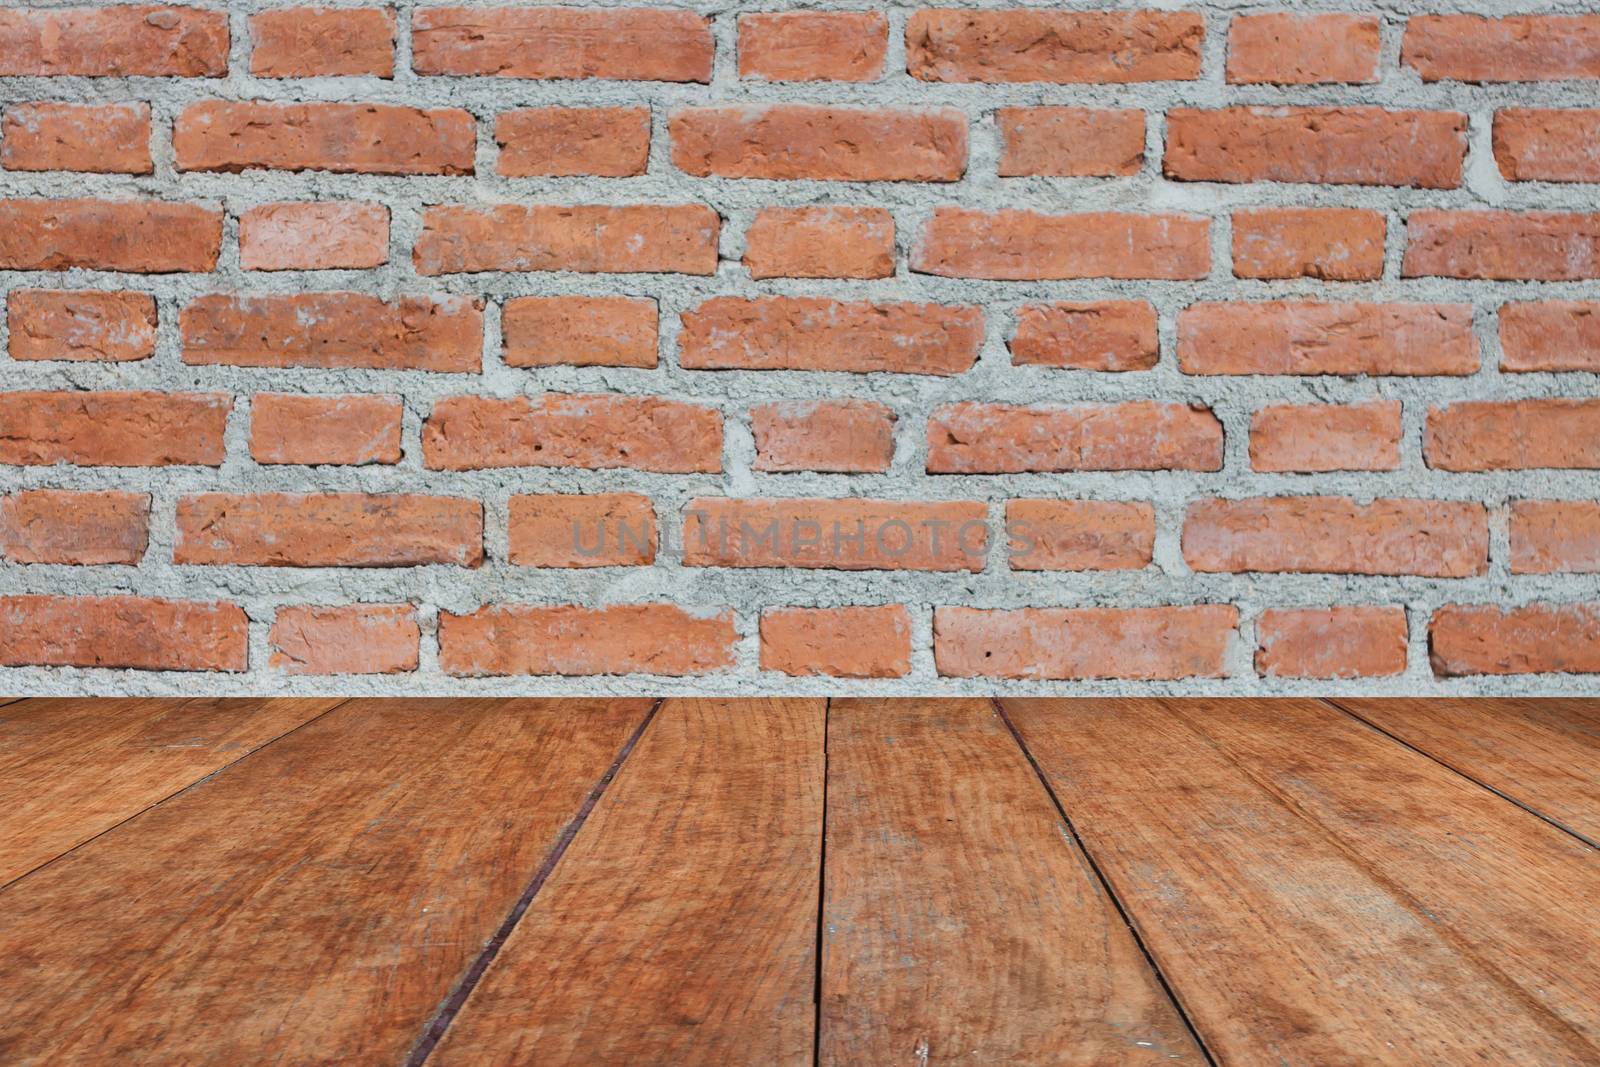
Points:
x=739 y=348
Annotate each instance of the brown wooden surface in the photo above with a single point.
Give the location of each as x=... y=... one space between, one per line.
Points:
x=73 y=768
x=960 y=922
x=1283 y=943
x=680 y=926
x=1544 y=754
x=313 y=903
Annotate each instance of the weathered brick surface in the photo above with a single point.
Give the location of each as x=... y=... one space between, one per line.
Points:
x=1533 y=245
x=108 y=139
x=803 y=46
x=580 y=530
x=344 y=430
x=1333 y=244
x=1079 y=535
x=590 y=239
x=1304 y=338
x=1472 y=48
x=629 y=44
x=820 y=242
x=53 y=526
x=1513 y=435
x=583 y=640
x=328 y=530
x=1555 y=536
x=972 y=438
x=81 y=325
x=1053 y=46
x=804 y=333
x=343 y=138
x=1547 y=144
x=1281 y=48
x=347 y=639
x=863 y=642
x=1112 y=335
x=1308 y=438
x=793 y=141
x=114 y=42
x=1145 y=644
x=1070 y=142
x=128 y=632
x=560 y=142
x=113 y=429
x=1331 y=643
x=308 y=42
x=1550 y=335
x=133 y=236
x=1024 y=246
x=584 y=331
x=850 y=535
x=844 y=436
x=1466 y=639
x=314 y=235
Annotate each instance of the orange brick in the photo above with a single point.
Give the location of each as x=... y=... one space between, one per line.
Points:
x=1341 y=642
x=1338 y=535
x=1472 y=48
x=300 y=428
x=314 y=235
x=1513 y=435
x=97 y=138
x=1469 y=639
x=81 y=325
x=328 y=530
x=1326 y=437
x=345 y=639
x=1070 y=142
x=1331 y=244
x=803 y=46
x=807 y=333
x=850 y=535
x=572 y=530
x=1547 y=144
x=114 y=42
x=1109 y=335
x=124 y=632
x=554 y=430
x=307 y=42
x=134 y=236
x=1535 y=245
x=57 y=526
x=820 y=242
x=511 y=639
x=1079 y=535
x=1025 y=246
x=979 y=438
x=855 y=642
x=844 y=436
x=1281 y=337
x=1550 y=335
x=110 y=429
x=630 y=239
x=611 y=142
x=334 y=330
x=581 y=331
x=1021 y=45
x=790 y=141
x=626 y=44
x=1555 y=537
x=340 y=138
x=1078 y=643
x=1282 y=48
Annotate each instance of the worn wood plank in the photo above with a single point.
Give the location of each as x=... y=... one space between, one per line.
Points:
x=961 y=924
x=1283 y=942
x=314 y=902
x=680 y=927
x=1543 y=754
x=73 y=768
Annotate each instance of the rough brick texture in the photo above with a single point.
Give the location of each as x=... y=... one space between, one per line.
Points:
x=1217 y=346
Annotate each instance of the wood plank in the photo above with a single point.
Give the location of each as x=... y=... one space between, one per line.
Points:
x=680 y=927
x=313 y=903
x=73 y=768
x=961 y=923
x=1283 y=943
x=1544 y=754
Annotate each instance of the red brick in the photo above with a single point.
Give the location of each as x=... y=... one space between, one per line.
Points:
x=314 y=235
x=605 y=239
x=572 y=530
x=1513 y=435
x=1326 y=437
x=1026 y=246
x=1547 y=144
x=791 y=141
x=1535 y=245
x=1340 y=642
x=97 y=138
x=1550 y=335
x=328 y=530
x=979 y=438
x=1079 y=535
x=820 y=242
x=843 y=436
x=611 y=142
x=802 y=46
x=625 y=44
x=580 y=331
x=1520 y=48
x=56 y=526
x=1070 y=142
x=1538 y=639
x=333 y=330
x=661 y=639
x=1330 y=244
x=1077 y=643
x=124 y=632
x=345 y=639
x=1108 y=335
x=808 y=333
x=1338 y=535
x=854 y=642
x=305 y=42
x=1282 y=48
x=1015 y=45
x=593 y=432
x=1330 y=145
x=112 y=429
x=1555 y=537
x=848 y=535
x=114 y=42
x=339 y=138
x=1282 y=337
x=133 y=236
x=300 y=428
x=81 y=325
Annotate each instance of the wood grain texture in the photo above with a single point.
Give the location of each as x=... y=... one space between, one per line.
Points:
x=1543 y=754
x=73 y=768
x=961 y=924
x=1283 y=943
x=313 y=903
x=680 y=926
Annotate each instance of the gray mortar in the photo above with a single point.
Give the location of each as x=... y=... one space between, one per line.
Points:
x=261 y=591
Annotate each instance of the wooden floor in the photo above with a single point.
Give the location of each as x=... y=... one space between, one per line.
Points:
x=854 y=882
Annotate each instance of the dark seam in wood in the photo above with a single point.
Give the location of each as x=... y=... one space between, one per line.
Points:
x=175 y=793
x=1105 y=884
x=1535 y=812
x=822 y=888
x=480 y=966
